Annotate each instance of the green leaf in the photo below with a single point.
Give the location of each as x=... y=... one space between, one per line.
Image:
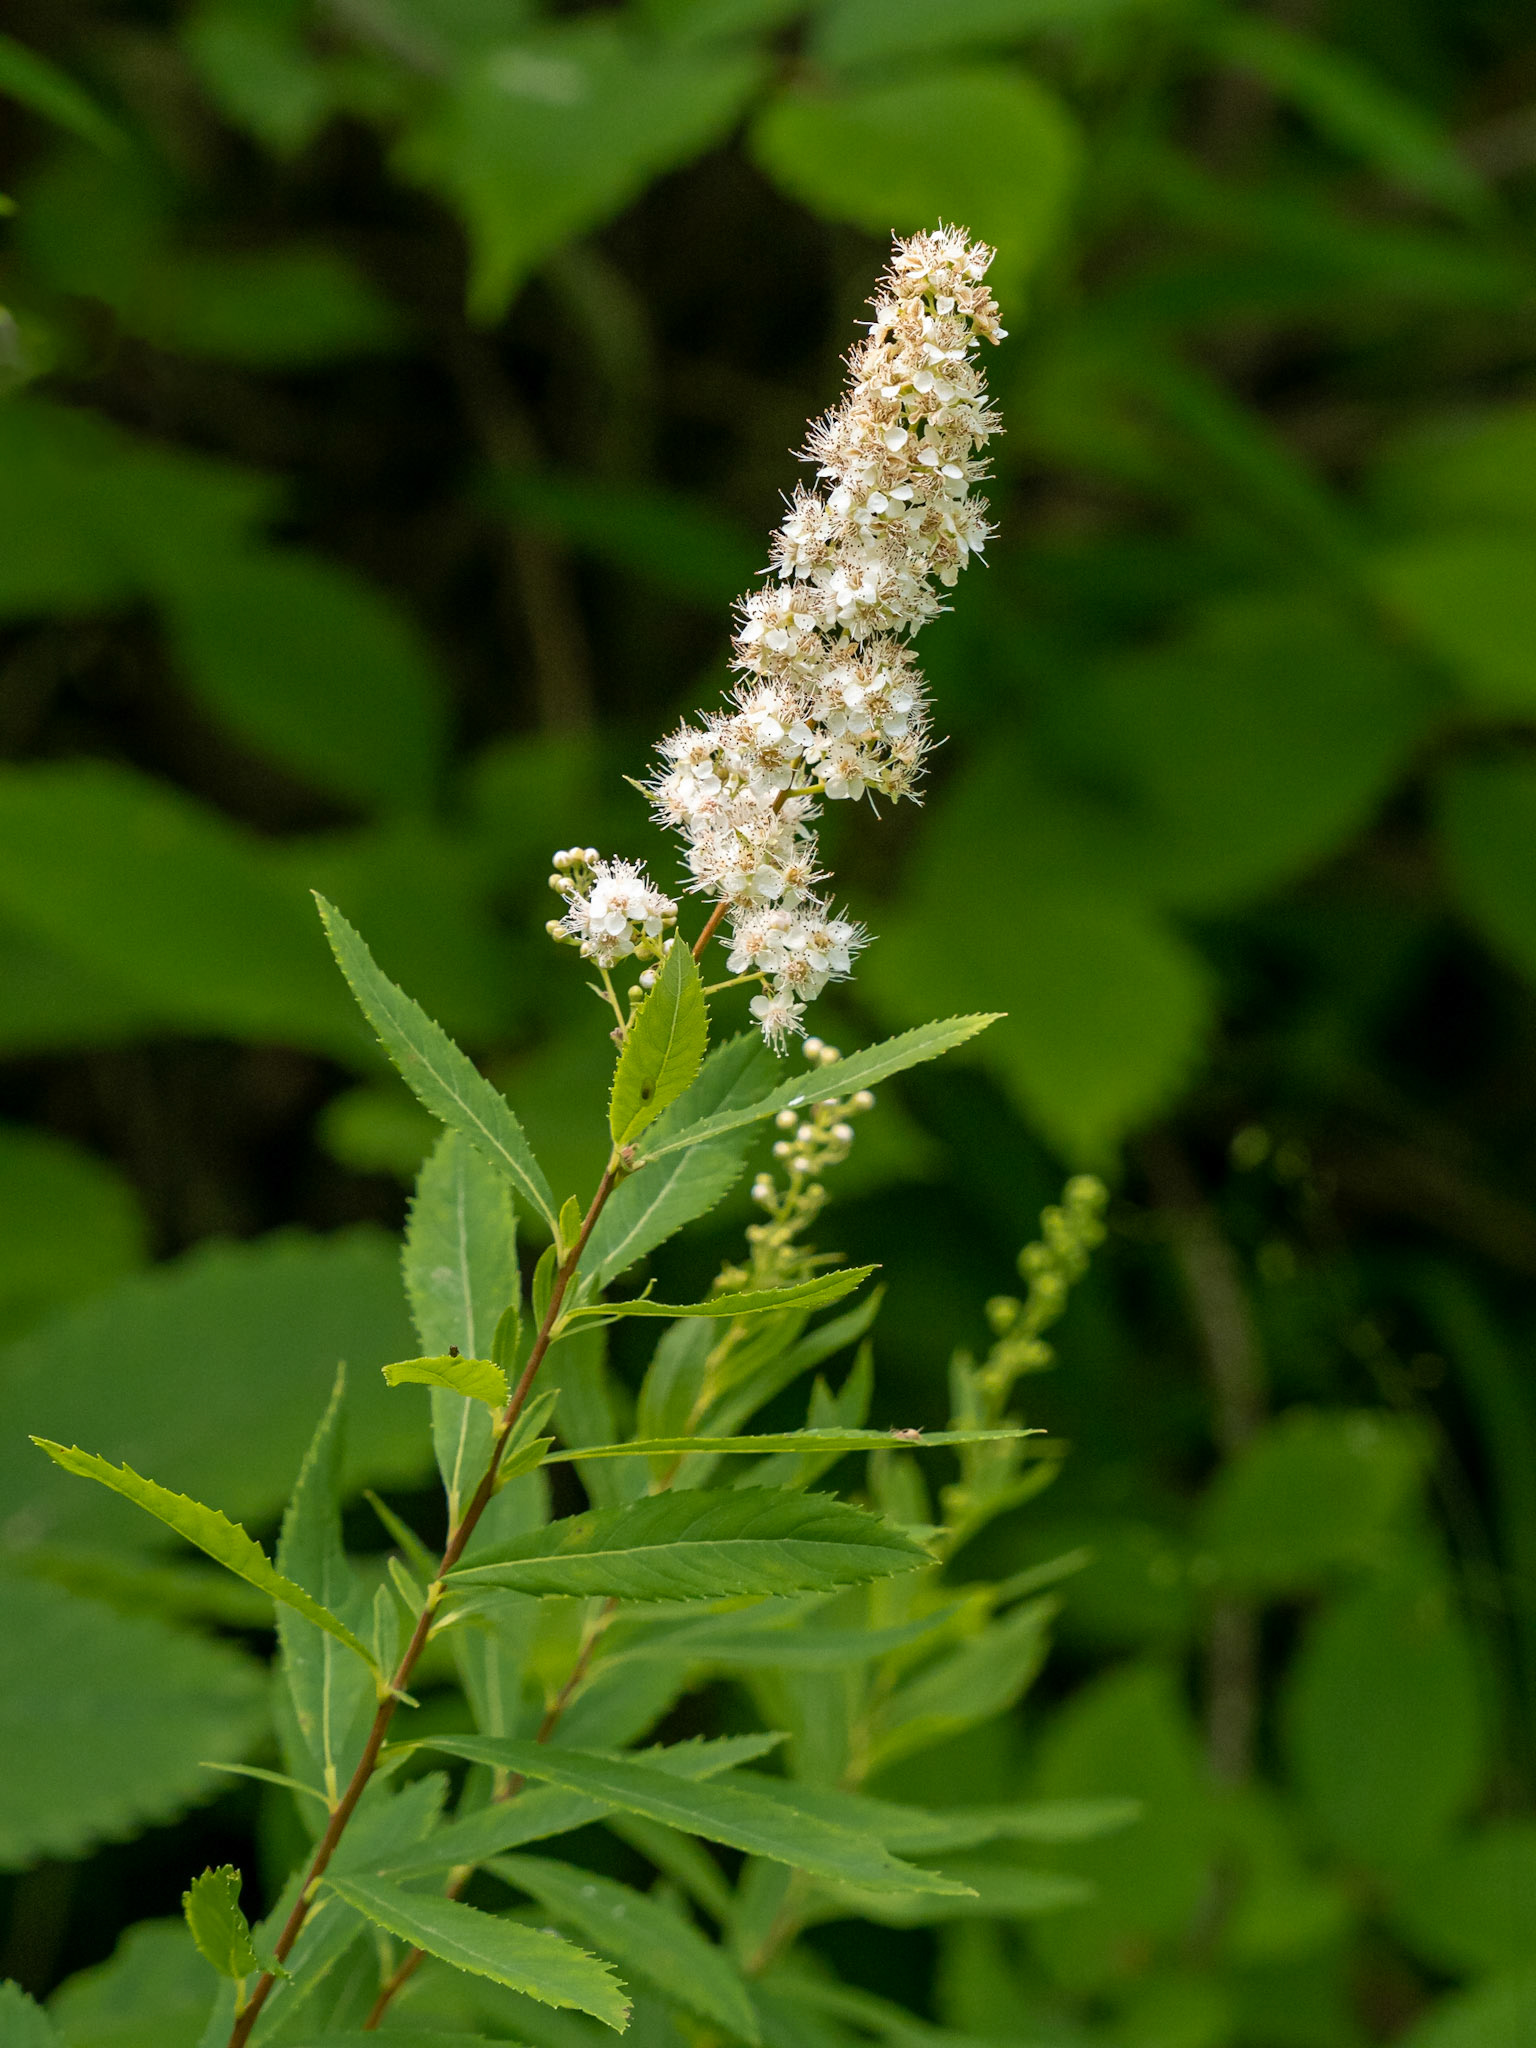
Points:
x=988 y=146
x=220 y=1929
x=166 y=899
x=544 y=1810
x=745 y=1814
x=313 y=668
x=1107 y=1004
x=824 y=1289
x=526 y=1959
x=782 y=1644
x=982 y=1677
x=848 y=32
x=1487 y=818
x=646 y=1208
x=861 y=1070
x=87 y=1761
x=545 y=137
x=1383 y=1719
x=460 y=1266
x=1126 y=1734
x=664 y=1051
x=1353 y=105
x=839 y=1441
x=209 y=1332
x=701 y=1546
x=433 y=1067
x=681 y=544
x=258 y=71
x=1309 y=1496
x=1498 y=2013
x=1471 y=1905
x=1469 y=597
x=478 y=1379
x=23 y=2024
x=69 y=1225
x=642 y=1936
x=152 y=1992
x=332 y=1696
x=224 y=1541
x=31 y=79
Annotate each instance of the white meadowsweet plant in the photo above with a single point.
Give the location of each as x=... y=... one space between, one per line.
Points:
x=707 y=1546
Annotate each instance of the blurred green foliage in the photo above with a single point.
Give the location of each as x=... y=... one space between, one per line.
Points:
x=396 y=390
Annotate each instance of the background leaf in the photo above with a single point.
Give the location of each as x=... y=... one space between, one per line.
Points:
x=86 y=1763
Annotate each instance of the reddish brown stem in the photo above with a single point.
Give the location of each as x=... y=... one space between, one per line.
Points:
x=458 y=1538
x=709 y=931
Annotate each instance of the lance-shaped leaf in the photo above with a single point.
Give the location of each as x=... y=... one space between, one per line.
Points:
x=701 y=1546
x=443 y=1079
x=646 y=1208
x=459 y=1263
x=527 y=1959
x=642 y=1936
x=331 y=1694
x=479 y=1379
x=224 y=1541
x=746 y=1813
x=862 y=1070
x=786 y=1440
x=545 y=1810
x=24 y=2024
x=220 y=1929
x=664 y=1050
x=817 y=1293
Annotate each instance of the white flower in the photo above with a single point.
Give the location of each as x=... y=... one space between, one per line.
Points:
x=618 y=911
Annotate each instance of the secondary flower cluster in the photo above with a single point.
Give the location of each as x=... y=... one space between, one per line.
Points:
x=831 y=704
x=611 y=911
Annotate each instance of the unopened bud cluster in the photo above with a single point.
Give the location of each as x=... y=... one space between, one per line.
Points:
x=612 y=909
x=831 y=704
x=809 y=1141
x=1051 y=1265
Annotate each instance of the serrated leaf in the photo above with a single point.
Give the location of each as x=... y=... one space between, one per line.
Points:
x=701 y=1546
x=443 y=1078
x=220 y=1929
x=22 y=2023
x=478 y=1379
x=640 y=1934
x=87 y=1761
x=224 y=1541
x=745 y=1814
x=861 y=1070
x=817 y=1293
x=545 y=1810
x=461 y=1275
x=525 y=1959
x=206 y=1331
x=785 y=1645
x=664 y=1051
x=788 y=1440
x=331 y=1694
x=647 y=1208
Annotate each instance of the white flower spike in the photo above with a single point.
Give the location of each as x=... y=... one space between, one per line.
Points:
x=831 y=704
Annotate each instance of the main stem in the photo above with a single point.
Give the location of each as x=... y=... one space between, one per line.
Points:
x=453 y=1550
